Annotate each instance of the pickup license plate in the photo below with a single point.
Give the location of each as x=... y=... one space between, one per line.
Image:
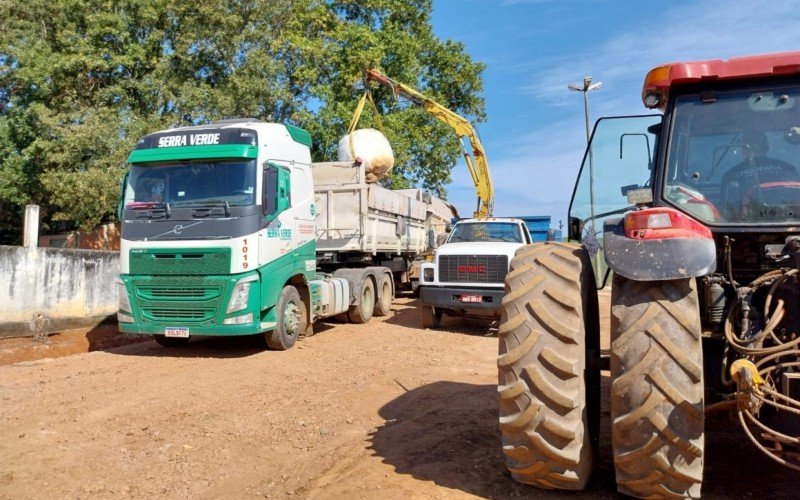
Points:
x=182 y=333
x=471 y=298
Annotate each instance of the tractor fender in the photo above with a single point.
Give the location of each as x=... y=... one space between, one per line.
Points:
x=656 y=260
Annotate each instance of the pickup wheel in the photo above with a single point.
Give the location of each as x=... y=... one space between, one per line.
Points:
x=171 y=341
x=656 y=388
x=362 y=312
x=547 y=381
x=291 y=318
x=384 y=304
x=431 y=316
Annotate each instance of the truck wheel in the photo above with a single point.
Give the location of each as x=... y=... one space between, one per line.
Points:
x=657 y=388
x=549 y=399
x=362 y=312
x=384 y=305
x=171 y=341
x=431 y=316
x=291 y=317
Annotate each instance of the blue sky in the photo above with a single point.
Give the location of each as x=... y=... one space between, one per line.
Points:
x=535 y=136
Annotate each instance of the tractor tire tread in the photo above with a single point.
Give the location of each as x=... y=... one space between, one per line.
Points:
x=657 y=388
x=541 y=364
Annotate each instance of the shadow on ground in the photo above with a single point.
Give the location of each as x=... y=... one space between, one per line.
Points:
x=408 y=315
x=447 y=432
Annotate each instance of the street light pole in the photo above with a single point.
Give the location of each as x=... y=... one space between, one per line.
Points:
x=586 y=88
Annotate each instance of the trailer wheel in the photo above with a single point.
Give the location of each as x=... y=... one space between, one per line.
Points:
x=657 y=388
x=384 y=304
x=431 y=316
x=548 y=392
x=291 y=318
x=362 y=312
x=171 y=341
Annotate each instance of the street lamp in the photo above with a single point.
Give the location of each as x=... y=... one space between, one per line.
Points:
x=586 y=88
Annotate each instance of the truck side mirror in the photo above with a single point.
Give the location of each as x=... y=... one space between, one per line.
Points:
x=275 y=197
x=575 y=229
x=121 y=204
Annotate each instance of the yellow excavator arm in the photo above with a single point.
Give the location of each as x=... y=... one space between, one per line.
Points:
x=476 y=161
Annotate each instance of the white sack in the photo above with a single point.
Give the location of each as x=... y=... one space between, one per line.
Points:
x=372 y=148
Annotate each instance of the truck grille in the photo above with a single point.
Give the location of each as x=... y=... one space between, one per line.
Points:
x=196 y=300
x=473 y=268
x=179 y=314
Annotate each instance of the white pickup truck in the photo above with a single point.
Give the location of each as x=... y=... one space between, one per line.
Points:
x=467 y=274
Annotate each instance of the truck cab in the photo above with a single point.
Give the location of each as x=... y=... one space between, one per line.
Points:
x=467 y=274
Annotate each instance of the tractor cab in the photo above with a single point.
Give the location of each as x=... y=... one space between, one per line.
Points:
x=696 y=210
x=725 y=153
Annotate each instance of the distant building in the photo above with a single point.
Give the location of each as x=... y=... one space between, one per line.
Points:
x=105 y=237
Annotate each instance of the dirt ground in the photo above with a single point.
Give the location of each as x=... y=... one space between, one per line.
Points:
x=384 y=410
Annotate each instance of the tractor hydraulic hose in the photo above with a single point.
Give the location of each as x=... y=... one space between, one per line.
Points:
x=763 y=448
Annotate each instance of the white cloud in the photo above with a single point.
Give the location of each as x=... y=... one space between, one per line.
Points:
x=705 y=30
x=534 y=173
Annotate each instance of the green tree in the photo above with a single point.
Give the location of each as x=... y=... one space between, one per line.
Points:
x=81 y=80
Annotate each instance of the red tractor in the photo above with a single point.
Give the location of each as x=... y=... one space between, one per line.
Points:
x=695 y=212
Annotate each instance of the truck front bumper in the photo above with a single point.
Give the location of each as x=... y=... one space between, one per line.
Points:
x=194 y=303
x=451 y=297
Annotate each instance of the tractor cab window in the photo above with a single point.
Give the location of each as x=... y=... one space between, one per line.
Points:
x=734 y=157
x=618 y=160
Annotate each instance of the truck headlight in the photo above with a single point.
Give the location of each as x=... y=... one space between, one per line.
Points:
x=241 y=294
x=124 y=300
x=427 y=274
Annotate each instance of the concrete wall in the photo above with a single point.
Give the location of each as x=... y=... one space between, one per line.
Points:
x=68 y=288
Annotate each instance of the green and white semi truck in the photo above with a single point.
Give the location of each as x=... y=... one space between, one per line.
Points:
x=225 y=229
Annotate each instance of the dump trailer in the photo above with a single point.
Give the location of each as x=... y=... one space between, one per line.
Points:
x=361 y=223
x=226 y=231
x=695 y=211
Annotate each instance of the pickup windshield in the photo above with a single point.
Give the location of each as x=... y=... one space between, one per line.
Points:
x=486 y=231
x=195 y=183
x=734 y=156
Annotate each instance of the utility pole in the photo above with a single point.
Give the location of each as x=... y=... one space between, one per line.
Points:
x=587 y=87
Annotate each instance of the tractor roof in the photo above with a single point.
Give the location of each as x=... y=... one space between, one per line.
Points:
x=661 y=78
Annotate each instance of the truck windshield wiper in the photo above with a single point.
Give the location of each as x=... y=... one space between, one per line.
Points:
x=151 y=207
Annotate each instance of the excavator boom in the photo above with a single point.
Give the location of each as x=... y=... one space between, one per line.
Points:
x=476 y=161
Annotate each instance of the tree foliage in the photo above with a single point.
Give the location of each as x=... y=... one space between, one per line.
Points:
x=81 y=80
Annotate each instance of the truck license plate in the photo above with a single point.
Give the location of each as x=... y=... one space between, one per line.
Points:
x=471 y=298
x=176 y=332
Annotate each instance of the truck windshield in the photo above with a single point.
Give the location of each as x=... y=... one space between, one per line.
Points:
x=486 y=231
x=192 y=183
x=734 y=156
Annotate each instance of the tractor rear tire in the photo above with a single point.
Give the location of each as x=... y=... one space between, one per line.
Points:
x=363 y=311
x=657 y=388
x=383 y=306
x=548 y=393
